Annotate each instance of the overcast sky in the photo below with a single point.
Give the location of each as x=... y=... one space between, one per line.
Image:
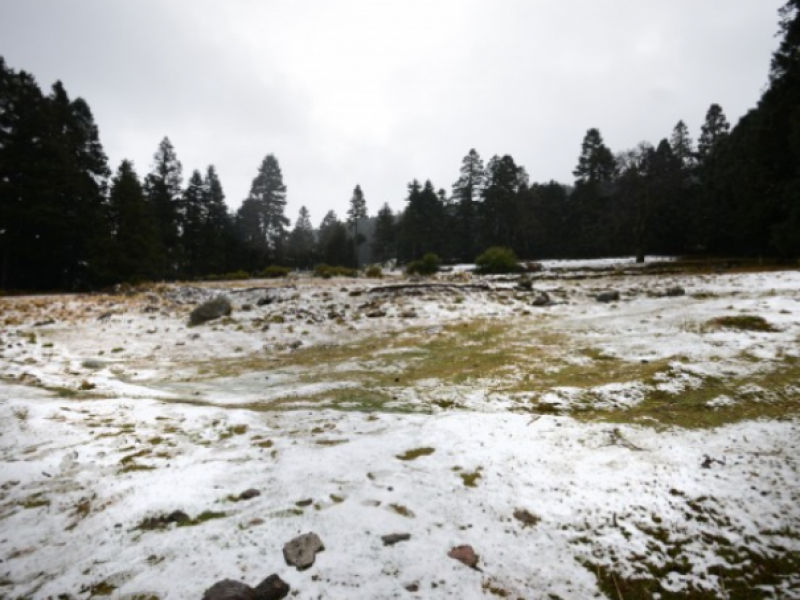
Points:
x=379 y=92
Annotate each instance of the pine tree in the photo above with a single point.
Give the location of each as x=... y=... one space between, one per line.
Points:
x=71 y=197
x=23 y=169
x=262 y=213
x=301 y=241
x=133 y=257
x=356 y=212
x=163 y=189
x=589 y=204
x=333 y=244
x=423 y=222
x=384 y=240
x=467 y=194
x=504 y=181
x=682 y=145
x=193 y=210
x=218 y=237
x=596 y=163
x=713 y=132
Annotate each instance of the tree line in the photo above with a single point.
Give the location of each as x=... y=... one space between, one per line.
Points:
x=68 y=222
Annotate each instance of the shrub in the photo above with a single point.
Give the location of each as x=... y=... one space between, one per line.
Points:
x=374 y=272
x=274 y=272
x=327 y=271
x=427 y=266
x=498 y=260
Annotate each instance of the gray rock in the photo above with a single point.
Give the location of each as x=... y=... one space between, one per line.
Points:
x=393 y=538
x=248 y=494
x=265 y=301
x=228 y=589
x=609 y=296
x=302 y=551
x=542 y=299
x=272 y=588
x=93 y=364
x=210 y=310
x=375 y=314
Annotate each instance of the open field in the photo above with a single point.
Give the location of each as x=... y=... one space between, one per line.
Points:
x=648 y=445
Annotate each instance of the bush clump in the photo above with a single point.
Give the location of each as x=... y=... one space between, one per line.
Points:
x=498 y=260
x=274 y=272
x=427 y=266
x=374 y=272
x=327 y=271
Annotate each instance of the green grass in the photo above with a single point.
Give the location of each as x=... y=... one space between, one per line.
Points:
x=742 y=323
x=780 y=398
x=416 y=453
x=203 y=517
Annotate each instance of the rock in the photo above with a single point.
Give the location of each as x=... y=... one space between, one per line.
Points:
x=408 y=314
x=465 y=554
x=525 y=283
x=412 y=587
x=609 y=296
x=393 y=538
x=272 y=588
x=246 y=307
x=542 y=299
x=302 y=550
x=44 y=323
x=93 y=364
x=210 y=310
x=376 y=313
x=674 y=292
x=265 y=301
x=248 y=494
x=534 y=267
x=228 y=589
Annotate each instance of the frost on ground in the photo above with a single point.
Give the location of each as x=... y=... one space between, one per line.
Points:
x=634 y=449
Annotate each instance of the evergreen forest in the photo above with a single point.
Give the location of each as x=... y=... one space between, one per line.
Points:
x=69 y=221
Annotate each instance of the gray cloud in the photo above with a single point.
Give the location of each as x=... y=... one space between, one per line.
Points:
x=377 y=93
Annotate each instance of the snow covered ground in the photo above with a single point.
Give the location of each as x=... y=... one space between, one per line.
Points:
x=647 y=447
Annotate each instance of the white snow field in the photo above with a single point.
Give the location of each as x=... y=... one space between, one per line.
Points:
x=647 y=447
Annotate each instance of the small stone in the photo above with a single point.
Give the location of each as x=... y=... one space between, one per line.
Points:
x=408 y=314
x=466 y=555
x=374 y=314
x=302 y=551
x=412 y=587
x=248 y=494
x=272 y=588
x=228 y=589
x=542 y=299
x=393 y=538
x=246 y=307
x=609 y=296
x=304 y=503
